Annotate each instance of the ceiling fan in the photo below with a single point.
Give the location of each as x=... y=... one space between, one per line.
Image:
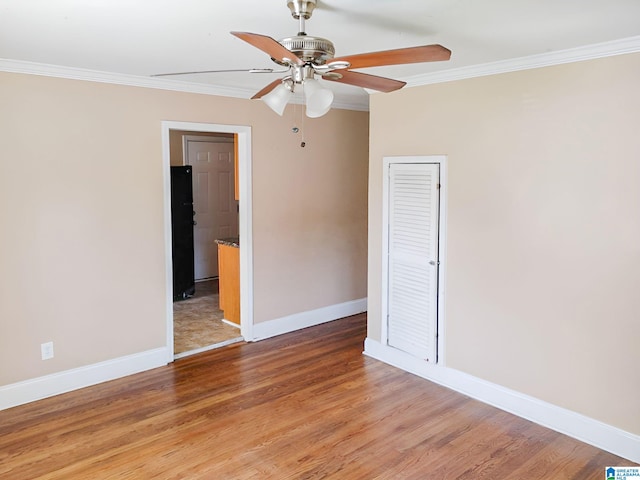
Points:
x=304 y=57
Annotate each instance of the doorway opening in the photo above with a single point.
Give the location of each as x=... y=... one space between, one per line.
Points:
x=199 y=323
x=203 y=306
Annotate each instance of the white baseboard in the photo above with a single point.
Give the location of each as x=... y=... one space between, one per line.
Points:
x=47 y=386
x=42 y=387
x=310 y=318
x=230 y=323
x=580 y=427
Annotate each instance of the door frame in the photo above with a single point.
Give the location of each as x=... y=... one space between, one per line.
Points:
x=245 y=222
x=441 y=160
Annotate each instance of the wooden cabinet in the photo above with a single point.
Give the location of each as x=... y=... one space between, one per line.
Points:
x=229 y=281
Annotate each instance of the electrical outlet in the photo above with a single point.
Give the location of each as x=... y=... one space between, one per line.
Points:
x=46 y=349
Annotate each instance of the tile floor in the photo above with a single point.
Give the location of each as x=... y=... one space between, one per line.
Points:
x=197 y=322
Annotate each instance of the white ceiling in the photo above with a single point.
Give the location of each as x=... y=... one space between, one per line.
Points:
x=143 y=37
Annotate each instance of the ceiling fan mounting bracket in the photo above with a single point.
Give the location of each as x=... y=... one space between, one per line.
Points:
x=301 y=8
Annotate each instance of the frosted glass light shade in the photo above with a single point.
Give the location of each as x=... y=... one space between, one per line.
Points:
x=277 y=99
x=317 y=98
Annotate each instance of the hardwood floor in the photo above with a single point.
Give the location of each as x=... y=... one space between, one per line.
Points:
x=299 y=406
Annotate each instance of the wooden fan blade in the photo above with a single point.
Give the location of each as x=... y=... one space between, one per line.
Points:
x=401 y=56
x=270 y=47
x=267 y=89
x=365 y=80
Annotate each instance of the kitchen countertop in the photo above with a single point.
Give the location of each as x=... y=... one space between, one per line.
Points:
x=230 y=242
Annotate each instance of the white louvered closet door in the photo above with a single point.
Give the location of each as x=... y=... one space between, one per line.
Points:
x=413 y=258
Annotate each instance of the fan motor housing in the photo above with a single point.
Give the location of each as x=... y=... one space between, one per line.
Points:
x=310 y=49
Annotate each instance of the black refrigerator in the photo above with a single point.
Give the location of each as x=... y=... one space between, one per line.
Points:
x=182 y=232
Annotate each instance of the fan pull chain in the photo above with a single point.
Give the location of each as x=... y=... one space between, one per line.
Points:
x=295 y=129
x=302 y=143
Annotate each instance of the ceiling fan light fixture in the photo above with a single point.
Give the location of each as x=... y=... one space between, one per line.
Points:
x=278 y=98
x=317 y=98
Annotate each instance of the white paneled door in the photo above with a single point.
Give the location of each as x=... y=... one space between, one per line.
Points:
x=413 y=215
x=216 y=210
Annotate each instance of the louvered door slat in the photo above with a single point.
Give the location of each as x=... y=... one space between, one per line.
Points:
x=413 y=253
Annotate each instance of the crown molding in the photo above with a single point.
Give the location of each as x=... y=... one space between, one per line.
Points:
x=578 y=54
x=31 y=68
x=347 y=102
x=47 y=70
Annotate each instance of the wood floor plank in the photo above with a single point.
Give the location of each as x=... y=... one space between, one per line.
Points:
x=301 y=406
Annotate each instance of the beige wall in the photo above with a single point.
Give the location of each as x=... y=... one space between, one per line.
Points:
x=543 y=249
x=81 y=214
